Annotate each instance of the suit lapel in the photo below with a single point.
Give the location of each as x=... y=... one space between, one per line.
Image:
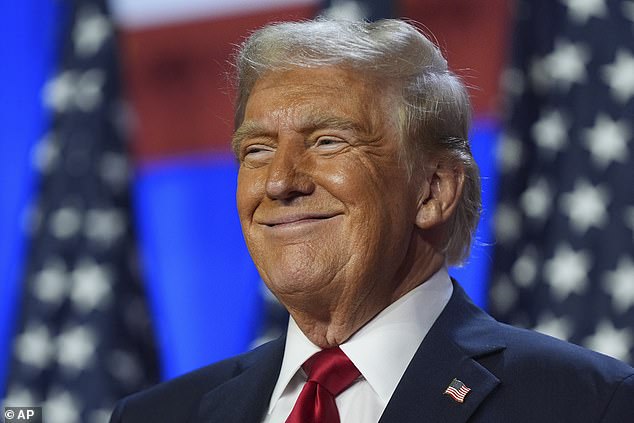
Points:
x=245 y=397
x=450 y=350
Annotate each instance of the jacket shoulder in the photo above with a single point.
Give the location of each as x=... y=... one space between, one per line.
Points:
x=178 y=399
x=527 y=348
x=549 y=377
x=525 y=353
x=540 y=378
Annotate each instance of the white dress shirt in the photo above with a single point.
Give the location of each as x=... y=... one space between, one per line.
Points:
x=381 y=350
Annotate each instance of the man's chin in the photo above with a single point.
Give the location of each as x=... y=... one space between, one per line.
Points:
x=295 y=284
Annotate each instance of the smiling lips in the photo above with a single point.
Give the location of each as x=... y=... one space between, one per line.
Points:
x=293 y=219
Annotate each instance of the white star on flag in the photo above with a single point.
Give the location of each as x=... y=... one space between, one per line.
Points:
x=61 y=407
x=611 y=341
x=537 y=199
x=104 y=226
x=51 y=284
x=509 y=152
x=91 y=30
x=551 y=131
x=92 y=286
x=507 y=222
x=59 y=92
x=620 y=76
x=89 y=89
x=45 y=153
x=525 y=267
x=607 y=140
x=566 y=65
x=34 y=346
x=65 y=222
x=567 y=271
x=619 y=283
x=582 y=10
x=558 y=327
x=585 y=205
x=76 y=347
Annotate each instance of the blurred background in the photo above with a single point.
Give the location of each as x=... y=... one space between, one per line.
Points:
x=121 y=258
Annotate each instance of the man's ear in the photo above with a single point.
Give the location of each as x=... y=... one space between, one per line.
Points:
x=440 y=194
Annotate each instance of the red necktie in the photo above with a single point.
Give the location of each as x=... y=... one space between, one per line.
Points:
x=330 y=372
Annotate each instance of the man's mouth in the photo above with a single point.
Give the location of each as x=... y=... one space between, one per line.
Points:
x=296 y=218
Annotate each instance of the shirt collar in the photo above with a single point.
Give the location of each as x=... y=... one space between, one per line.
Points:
x=384 y=347
x=297 y=350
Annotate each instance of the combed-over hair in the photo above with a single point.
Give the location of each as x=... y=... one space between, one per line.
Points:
x=434 y=109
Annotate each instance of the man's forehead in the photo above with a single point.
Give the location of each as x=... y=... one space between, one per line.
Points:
x=318 y=87
x=306 y=101
x=300 y=122
x=322 y=76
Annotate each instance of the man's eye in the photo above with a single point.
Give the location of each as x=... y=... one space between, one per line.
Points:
x=257 y=148
x=329 y=143
x=257 y=153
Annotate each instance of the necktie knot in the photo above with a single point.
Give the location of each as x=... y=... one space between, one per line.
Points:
x=330 y=372
x=332 y=369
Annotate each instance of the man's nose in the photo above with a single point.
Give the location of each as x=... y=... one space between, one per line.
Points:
x=289 y=174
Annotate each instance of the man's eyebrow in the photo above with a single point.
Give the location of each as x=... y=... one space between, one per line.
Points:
x=248 y=129
x=312 y=123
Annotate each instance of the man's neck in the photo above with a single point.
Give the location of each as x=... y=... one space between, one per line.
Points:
x=329 y=325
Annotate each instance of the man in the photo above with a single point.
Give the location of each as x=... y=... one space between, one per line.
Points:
x=356 y=189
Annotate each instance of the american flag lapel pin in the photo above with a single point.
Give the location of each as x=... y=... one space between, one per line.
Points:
x=457 y=390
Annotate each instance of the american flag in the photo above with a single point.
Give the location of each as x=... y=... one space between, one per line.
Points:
x=84 y=338
x=457 y=390
x=564 y=259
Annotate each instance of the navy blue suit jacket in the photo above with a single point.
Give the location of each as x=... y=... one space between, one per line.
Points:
x=515 y=376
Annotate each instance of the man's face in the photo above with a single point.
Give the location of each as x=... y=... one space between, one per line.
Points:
x=325 y=204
